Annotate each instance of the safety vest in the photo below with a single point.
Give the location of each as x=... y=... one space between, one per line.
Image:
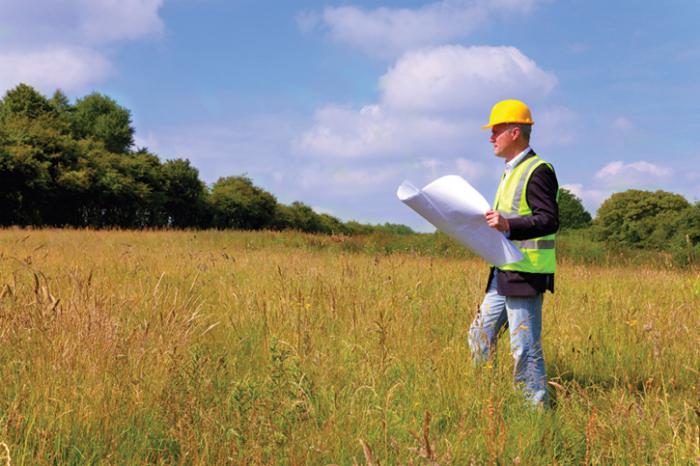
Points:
x=511 y=201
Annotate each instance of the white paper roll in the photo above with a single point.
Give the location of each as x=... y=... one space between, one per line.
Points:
x=454 y=207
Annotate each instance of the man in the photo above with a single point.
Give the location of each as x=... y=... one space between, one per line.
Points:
x=526 y=211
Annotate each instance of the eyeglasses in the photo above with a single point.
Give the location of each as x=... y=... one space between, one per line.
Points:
x=507 y=129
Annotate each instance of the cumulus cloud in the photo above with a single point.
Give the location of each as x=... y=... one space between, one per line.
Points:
x=619 y=169
x=454 y=77
x=432 y=103
x=343 y=132
x=619 y=176
x=80 y=21
x=110 y=20
x=52 y=44
x=62 y=67
x=387 y=32
x=370 y=132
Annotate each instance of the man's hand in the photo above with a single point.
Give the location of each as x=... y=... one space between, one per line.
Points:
x=497 y=221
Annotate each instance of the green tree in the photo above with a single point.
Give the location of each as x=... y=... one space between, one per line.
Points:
x=396 y=229
x=331 y=225
x=99 y=117
x=185 y=195
x=24 y=101
x=572 y=215
x=686 y=240
x=356 y=228
x=73 y=164
x=640 y=218
x=238 y=203
x=59 y=102
x=299 y=216
x=689 y=231
x=36 y=150
x=127 y=190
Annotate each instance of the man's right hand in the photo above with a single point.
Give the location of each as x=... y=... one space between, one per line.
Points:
x=496 y=220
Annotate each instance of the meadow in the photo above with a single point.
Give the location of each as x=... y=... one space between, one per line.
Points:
x=207 y=347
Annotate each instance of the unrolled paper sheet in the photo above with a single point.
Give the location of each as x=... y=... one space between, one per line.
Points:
x=454 y=207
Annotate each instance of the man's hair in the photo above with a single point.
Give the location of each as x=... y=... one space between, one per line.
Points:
x=525 y=130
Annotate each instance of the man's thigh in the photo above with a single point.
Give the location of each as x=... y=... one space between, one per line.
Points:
x=524 y=320
x=492 y=312
x=491 y=317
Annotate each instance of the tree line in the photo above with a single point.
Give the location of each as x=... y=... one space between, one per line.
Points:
x=75 y=164
x=636 y=219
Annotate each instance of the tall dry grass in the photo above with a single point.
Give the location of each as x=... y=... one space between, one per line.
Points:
x=264 y=348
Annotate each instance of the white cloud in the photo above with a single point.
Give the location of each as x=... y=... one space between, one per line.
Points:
x=619 y=169
x=512 y=6
x=456 y=78
x=110 y=20
x=50 y=44
x=576 y=189
x=80 y=21
x=619 y=176
x=67 y=68
x=343 y=132
x=432 y=104
x=387 y=32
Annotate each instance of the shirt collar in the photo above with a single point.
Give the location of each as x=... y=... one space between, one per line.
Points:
x=517 y=159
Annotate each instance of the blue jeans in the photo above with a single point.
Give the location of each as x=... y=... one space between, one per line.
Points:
x=524 y=317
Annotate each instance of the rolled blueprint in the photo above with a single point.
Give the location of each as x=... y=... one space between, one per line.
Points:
x=454 y=207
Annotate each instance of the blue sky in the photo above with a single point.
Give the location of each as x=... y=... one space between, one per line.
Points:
x=335 y=103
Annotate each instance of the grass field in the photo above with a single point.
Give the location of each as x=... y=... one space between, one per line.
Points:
x=281 y=348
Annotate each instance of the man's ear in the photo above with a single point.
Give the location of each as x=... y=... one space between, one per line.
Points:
x=516 y=132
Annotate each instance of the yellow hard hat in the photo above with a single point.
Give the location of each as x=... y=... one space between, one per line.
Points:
x=509 y=111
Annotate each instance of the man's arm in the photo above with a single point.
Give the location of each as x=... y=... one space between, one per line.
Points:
x=542 y=198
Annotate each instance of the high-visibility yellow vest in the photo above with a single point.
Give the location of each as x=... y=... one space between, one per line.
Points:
x=511 y=201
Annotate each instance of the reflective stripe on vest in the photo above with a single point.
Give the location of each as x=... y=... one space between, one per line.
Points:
x=533 y=244
x=511 y=201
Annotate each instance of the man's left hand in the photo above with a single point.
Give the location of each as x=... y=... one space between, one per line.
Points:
x=497 y=221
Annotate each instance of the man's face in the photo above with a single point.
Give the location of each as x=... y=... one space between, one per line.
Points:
x=503 y=137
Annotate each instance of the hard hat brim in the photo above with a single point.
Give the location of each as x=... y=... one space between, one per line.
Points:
x=491 y=125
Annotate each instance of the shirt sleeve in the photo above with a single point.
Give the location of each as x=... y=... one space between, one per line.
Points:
x=541 y=196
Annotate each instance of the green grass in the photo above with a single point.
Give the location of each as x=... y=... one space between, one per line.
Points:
x=281 y=348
